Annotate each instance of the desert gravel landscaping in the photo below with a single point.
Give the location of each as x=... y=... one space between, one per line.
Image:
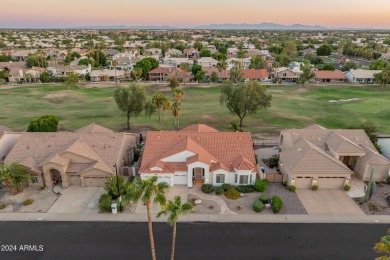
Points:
x=42 y=200
x=378 y=202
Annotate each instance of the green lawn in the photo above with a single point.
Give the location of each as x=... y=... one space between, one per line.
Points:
x=291 y=107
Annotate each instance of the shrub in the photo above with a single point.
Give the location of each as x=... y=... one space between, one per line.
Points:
x=218 y=190
x=261 y=185
x=245 y=188
x=192 y=202
x=291 y=188
x=111 y=186
x=347 y=187
x=105 y=203
x=276 y=204
x=226 y=186
x=28 y=202
x=258 y=206
x=207 y=188
x=232 y=194
x=2 y=206
x=273 y=162
x=314 y=187
x=264 y=198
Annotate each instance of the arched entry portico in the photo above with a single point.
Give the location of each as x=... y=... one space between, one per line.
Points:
x=55 y=176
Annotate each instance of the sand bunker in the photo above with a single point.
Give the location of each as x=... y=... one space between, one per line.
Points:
x=343 y=100
x=56 y=95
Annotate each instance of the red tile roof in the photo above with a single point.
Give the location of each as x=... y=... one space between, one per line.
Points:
x=329 y=74
x=220 y=150
x=255 y=74
x=199 y=128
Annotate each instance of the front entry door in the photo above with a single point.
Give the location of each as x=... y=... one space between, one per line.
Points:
x=198 y=173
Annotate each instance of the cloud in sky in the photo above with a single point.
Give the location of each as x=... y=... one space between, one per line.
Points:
x=331 y=13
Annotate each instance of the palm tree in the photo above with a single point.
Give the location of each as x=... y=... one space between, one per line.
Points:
x=175 y=208
x=149 y=191
x=166 y=106
x=176 y=113
x=114 y=64
x=178 y=94
x=158 y=100
x=14 y=175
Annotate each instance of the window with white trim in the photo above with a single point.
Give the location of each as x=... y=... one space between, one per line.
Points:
x=220 y=178
x=244 y=179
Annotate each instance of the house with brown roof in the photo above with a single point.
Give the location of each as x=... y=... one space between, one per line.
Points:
x=199 y=154
x=331 y=76
x=165 y=73
x=222 y=75
x=191 y=53
x=85 y=157
x=328 y=158
x=253 y=74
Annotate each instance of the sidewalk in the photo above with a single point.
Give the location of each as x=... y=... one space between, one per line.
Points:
x=126 y=217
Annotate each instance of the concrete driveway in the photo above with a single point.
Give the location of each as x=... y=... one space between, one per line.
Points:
x=76 y=199
x=328 y=202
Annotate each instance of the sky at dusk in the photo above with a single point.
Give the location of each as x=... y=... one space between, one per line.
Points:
x=182 y=13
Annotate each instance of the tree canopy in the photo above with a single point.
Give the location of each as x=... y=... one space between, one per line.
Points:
x=245 y=98
x=324 y=50
x=46 y=123
x=146 y=65
x=130 y=100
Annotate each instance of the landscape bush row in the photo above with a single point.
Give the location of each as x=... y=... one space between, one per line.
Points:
x=276 y=203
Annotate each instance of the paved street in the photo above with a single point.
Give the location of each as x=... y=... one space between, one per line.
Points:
x=120 y=240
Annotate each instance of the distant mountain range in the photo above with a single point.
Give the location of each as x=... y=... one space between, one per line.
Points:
x=225 y=26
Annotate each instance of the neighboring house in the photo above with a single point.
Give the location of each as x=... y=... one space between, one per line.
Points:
x=7 y=141
x=199 y=154
x=222 y=75
x=62 y=71
x=248 y=46
x=19 y=73
x=165 y=73
x=108 y=75
x=283 y=74
x=85 y=157
x=207 y=62
x=173 y=53
x=153 y=51
x=328 y=157
x=232 y=61
x=211 y=48
x=175 y=62
x=110 y=52
x=191 y=53
x=21 y=55
x=332 y=76
x=252 y=74
x=361 y=76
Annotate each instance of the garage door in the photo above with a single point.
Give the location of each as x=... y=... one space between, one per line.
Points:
x=166 y=179
x=180 y=179
x=74 y=179
x=95 y=181
x=303 y=182
x=330 y=182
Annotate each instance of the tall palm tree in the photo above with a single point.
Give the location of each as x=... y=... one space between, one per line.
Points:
x=178 y=94
x=14 y=175
x=148 y=191
x=114 y=64
x=166 y=106
x=175 y=208
x=176 y=113
x=158 y=100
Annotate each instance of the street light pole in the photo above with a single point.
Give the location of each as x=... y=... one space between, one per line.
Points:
x=117 y=184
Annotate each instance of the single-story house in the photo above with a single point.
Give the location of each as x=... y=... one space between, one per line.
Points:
x=175 y=62
x=108 y=75
x=199 y=154
x=328 y=157
x=222 y=75
x=361 y=76
x=332 y=76
x=253 y=74
x=191 y=53
x=85 y=157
